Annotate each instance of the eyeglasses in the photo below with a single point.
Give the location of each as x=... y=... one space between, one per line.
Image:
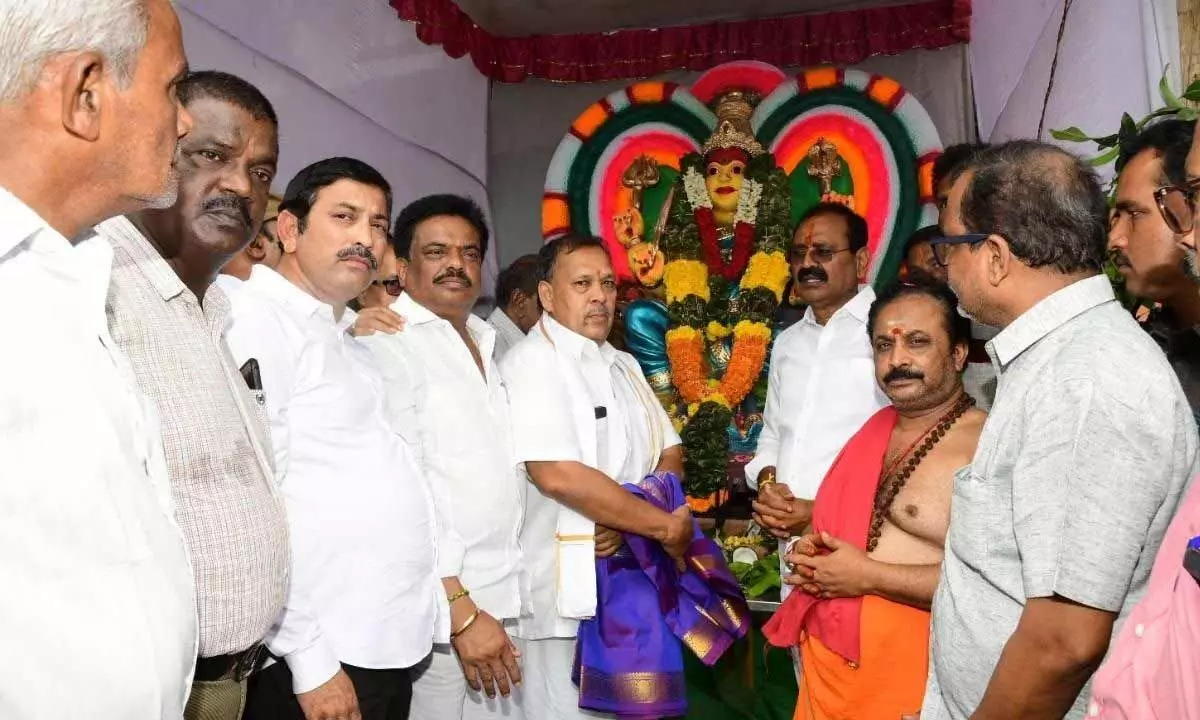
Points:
x=391 y=285
x=820 y=253
x=941 y=245
x=1177 y=204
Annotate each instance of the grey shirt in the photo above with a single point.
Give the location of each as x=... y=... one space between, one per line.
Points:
x=214 y=438
x=1082 y=461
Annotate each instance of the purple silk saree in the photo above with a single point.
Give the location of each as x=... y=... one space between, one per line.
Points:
x=629 y=658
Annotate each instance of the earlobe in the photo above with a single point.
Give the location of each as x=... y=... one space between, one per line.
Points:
x=999 y=255
x=546 y=295
x=402 y=271
x=256 y=251
x=82 y=82
x=287 y=229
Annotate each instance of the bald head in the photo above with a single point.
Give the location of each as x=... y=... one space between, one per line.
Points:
x=1044 y=201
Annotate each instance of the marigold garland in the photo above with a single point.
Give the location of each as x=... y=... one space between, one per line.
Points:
x=695 y=278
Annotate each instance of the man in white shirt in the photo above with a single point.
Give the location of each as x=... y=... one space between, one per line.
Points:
x=445 y=351
x=822 y=379
x=97 y=613
x=363 y=598
x=584 y=421
x=517 y=308
x=167 y=316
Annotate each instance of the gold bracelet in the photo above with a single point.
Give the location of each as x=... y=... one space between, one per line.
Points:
x=465 y=626
x=458 y=596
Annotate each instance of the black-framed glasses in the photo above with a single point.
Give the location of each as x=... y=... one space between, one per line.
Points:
x=820 y=254
x=1177 y=205
x=391 y=285
x=941 y=245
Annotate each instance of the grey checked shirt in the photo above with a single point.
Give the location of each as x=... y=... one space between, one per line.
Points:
x=1082 y=461
x=215 y=442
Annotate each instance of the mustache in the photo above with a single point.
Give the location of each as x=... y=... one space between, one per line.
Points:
x=902 y=373
x=456 y=273
x=361 y=251
x=599 y=312
x=813 y=273
x=1118 y=257
x=239 y=205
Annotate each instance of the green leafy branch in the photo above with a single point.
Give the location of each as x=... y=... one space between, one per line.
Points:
x=1112 y=146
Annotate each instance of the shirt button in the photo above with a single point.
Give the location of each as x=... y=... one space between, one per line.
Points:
x=1139 y=630
x=1094 y=709
x=853 y=665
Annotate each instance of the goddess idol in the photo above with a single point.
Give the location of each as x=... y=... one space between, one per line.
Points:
x=695 y=192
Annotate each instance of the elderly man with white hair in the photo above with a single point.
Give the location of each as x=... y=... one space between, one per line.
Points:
x=97 y=617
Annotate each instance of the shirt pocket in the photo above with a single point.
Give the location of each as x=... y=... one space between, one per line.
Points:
x=968 y=537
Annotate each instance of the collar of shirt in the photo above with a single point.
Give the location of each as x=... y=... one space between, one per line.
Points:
x=577 y=346
x=88 y=262
x=416 y=314
x=274 y=285
x=858 y=307
x=1048 y=315
x=159 y=272
x=503 y=323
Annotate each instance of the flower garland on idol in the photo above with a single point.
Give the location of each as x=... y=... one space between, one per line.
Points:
x=698 y=280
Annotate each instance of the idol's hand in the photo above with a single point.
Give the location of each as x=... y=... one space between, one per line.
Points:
x=377 y=319
x=332 y=700
x=607 y=541
x=845 y=571
x=780 y=512
x=488 y=657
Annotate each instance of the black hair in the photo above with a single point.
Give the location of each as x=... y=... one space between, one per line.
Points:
x=302 y=191
x=856 y=225
x=521 y=275
x=954 y=160
x=1046 y=202
x=228 y=88
x=924 y=235
x=1169 y=139
x=430 y=206
x=563 y=245
x=957 y=326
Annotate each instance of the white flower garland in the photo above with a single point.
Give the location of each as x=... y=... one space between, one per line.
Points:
x=697 y=193
x=747 y=208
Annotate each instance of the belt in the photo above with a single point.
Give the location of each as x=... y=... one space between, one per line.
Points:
x=236 y=667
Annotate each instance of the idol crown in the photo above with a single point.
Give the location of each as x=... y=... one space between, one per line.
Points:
x=733 y=126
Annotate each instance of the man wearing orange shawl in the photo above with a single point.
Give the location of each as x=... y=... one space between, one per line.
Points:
x=869 y=569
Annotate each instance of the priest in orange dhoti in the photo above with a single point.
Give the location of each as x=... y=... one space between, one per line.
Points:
x=870 y=567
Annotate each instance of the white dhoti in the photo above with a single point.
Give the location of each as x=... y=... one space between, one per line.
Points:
x=440 y=692
x=546 y=683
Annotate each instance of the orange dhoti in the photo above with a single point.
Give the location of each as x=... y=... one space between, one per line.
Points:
x=887 y=682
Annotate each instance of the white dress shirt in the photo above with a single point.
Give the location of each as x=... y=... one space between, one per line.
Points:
x=821 y=390
x=97 y=610
x=507 y=332
x=466 y=447
x=556 y=380
x=363 y=588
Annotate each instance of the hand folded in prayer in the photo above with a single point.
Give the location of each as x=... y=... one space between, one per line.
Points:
x=333 y=700
x=608 y=541
x=377 y=319
x=781 y=512
x=827 y=567
x=487 y=656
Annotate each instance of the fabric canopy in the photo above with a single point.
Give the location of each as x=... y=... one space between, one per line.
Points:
x=841 y=38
